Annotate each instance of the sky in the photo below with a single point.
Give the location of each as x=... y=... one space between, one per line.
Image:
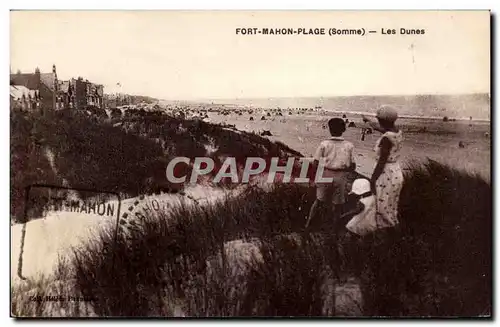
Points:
x=180 y=55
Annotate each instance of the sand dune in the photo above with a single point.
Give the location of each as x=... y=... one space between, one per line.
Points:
x=46 y=239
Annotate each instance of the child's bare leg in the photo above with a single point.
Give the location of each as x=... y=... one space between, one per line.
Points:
x=315 y=209
x=319 y=203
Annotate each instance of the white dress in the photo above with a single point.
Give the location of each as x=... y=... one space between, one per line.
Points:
x=364 y=222
x=390 y=182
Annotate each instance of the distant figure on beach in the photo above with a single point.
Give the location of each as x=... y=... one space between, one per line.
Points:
x=335 y=155
x=365 y=131
x=387 y=177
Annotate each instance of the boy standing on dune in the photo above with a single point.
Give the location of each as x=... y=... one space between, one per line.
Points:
x=335 y=155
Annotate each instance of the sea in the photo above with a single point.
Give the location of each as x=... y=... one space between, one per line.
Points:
x=461 y=107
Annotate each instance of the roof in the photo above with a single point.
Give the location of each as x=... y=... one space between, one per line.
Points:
x=31 y=82
x=27 y=80
x=17 y=92
x=64 y=86
x=48 y=79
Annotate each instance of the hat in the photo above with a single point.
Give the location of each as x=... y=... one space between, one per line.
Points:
x=387 y=113
x=361 y=186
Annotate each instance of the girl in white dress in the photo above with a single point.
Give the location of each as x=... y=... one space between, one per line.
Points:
x=387 y=177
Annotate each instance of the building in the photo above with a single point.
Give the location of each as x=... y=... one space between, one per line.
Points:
x=23 y=98
x=95 y=95
x=64 y=95
x=85 y=94
x=45 y=84
x=56 y=94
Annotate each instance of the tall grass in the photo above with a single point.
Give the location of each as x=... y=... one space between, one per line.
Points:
x=28 y=162
x=296 y=277
x=436 y=263
x=441 y=254
x=167 y=251
x=28 y=297
x=127 y=155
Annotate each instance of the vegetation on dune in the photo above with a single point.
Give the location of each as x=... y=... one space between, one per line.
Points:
x=28 y=297
x=126 y=155
x=86 y=154
x=297 y=277
x=178 y=246
x=29 y=164
x=437 y=263
x=189 y=138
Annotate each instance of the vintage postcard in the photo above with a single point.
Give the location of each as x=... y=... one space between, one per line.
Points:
x=250 y=164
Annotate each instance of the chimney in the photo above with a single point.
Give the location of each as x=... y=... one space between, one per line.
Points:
x=54 y=95
x=37 y=77
x=54 y=72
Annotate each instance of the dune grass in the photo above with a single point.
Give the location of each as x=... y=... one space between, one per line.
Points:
x=167 y=251
x=50 y=296
x=127 y=155
x=437 y=263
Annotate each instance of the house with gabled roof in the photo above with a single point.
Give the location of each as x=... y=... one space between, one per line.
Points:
x=57 y=94
x=46 y=84
x=23 y=98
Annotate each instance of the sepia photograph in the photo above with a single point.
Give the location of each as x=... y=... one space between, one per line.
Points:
x=188 y=163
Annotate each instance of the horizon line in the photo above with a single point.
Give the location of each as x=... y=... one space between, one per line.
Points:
x=326 y=96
